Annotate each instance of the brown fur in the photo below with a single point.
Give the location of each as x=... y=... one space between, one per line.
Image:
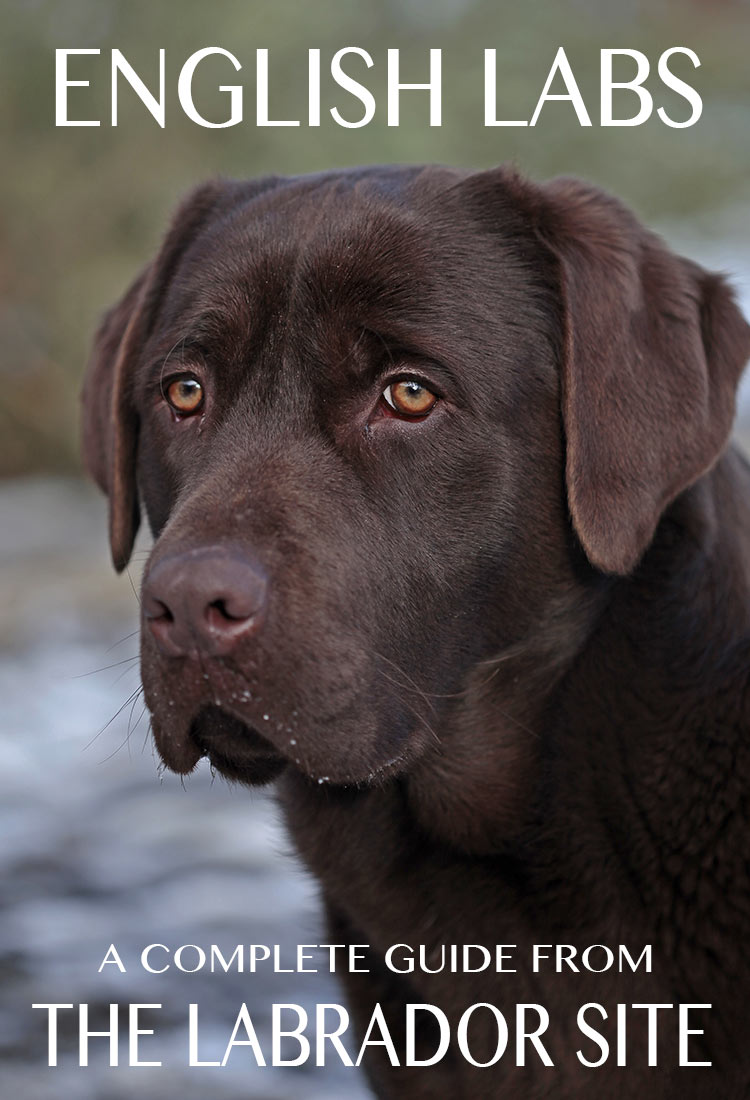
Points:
x=502 y=672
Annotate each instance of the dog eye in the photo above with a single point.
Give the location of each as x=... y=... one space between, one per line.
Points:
x=185 y=395
x=409 y=398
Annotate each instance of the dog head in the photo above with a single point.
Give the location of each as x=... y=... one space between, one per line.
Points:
x=385 y=424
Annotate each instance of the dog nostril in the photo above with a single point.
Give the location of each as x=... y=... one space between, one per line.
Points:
x=219 y=615
x=159 y=611
x=221 y=607
x=155 y=610
x=231 y=614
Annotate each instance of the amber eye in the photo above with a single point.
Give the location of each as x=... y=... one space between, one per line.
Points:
x=185 y=395
x=410 y=398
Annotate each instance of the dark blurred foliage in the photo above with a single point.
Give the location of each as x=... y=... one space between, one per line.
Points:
x=82 y=208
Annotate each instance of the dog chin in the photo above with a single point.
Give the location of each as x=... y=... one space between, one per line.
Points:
x=233 y=748
x=253 y=772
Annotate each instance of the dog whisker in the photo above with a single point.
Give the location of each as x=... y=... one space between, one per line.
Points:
x=125 y=672
x=132 y=585
x=133 y=697
x=132 y=634
x=412 y=684
x=106 y=668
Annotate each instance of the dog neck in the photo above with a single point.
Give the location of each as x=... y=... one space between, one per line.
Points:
x=596 y=741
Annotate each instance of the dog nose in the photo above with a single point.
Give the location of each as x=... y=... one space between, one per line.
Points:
x=204 y=601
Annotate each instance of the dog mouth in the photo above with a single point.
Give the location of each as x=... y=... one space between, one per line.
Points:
x=234 y=748
x=253 y=745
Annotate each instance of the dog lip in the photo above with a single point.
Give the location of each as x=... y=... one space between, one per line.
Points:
x=256 y=770
x=234 y=747
x=180 y=754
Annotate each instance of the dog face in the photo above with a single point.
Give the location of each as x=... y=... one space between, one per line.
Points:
x=385 y=424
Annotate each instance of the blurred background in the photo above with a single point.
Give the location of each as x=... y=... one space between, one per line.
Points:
x=98 y=846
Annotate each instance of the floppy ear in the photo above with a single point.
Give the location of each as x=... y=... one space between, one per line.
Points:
x=653 y=350
x=109 y=424
x=110 y=420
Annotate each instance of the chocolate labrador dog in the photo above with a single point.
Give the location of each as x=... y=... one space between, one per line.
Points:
x=449 y=541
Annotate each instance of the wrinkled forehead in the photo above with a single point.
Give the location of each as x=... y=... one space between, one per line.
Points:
x=404 y=261
x=317 y=247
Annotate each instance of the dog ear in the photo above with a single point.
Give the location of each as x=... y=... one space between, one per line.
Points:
x=653 y=350
x=110 y=420
x=109 y=425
